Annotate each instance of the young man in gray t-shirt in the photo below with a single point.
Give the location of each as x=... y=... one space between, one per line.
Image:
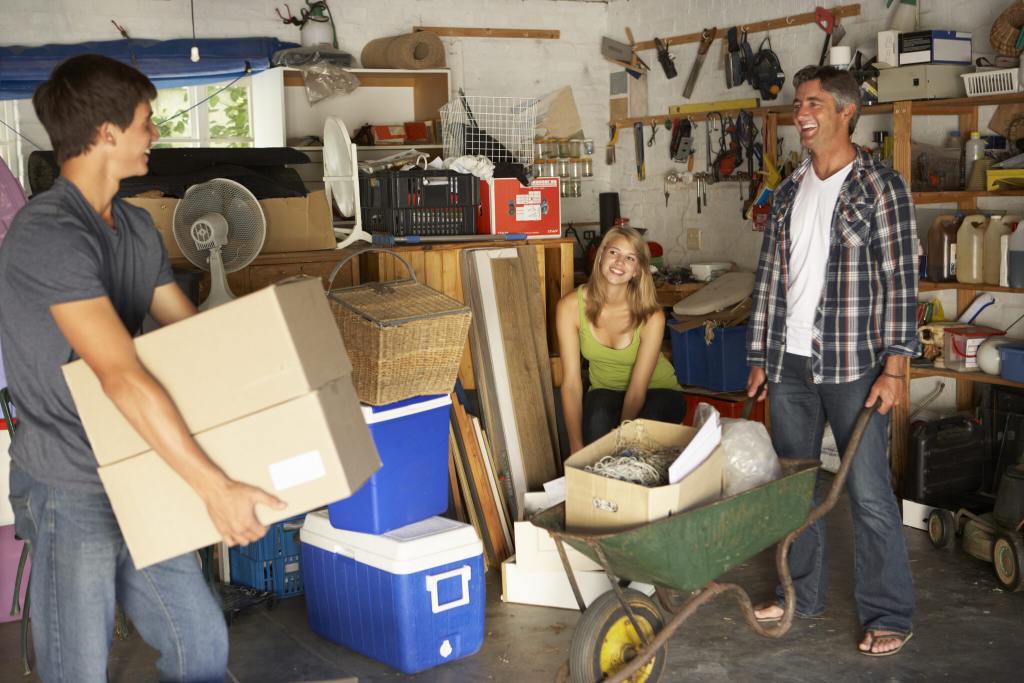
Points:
x=79 y=270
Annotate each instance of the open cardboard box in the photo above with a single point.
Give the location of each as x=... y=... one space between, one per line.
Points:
x=293 y=223
x=264 y=385
x=599 y=504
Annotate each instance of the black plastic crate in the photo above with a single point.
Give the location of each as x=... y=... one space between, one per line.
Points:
x=418 y=202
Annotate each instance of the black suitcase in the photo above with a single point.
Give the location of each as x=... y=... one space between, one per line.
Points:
x=948 y=458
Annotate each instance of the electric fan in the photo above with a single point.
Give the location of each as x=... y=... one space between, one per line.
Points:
x=219 y=226
x=341 y=177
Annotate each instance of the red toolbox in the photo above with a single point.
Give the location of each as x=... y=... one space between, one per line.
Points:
x=507 y=206
x=727 y=405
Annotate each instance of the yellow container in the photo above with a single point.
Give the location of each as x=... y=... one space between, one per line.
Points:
x=1004 y=179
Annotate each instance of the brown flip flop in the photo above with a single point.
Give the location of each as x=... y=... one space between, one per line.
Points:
x=878 y=634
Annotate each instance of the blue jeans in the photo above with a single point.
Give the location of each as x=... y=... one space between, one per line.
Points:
x=883 y=588
x=81 y=568
x=602 y=410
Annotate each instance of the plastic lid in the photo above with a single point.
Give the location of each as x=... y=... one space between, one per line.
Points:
x=975 y=134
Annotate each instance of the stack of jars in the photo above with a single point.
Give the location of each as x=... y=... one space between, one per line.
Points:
x=568 y=159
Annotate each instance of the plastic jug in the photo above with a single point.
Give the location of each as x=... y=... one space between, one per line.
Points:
x=970 y=248
x=1015 y=250
x=997 y=227
x=942 y=249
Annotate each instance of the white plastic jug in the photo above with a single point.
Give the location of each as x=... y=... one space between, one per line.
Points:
x=1015 y=249
x=970 y=247
x=997 y=227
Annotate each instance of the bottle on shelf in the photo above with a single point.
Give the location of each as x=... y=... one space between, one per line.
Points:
x=1015 y=258
x=974 y=151
x=998 y=226
x=970 y=246
x=942 y=249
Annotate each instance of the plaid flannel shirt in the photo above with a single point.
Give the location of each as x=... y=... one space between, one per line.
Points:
x=868 y=302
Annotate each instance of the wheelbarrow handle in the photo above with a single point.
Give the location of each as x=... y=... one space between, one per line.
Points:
x=748 y=405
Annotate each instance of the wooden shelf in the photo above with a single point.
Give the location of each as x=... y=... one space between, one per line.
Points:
x=980 y=377
x=929 y=286
x=955 y=196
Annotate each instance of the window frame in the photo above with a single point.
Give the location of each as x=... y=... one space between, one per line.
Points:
x=199 y=118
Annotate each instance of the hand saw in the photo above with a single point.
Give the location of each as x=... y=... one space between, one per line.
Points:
x=707 y=36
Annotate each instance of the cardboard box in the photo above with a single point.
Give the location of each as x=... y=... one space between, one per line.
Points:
x=507 y=206
x=293 y=223
x=536 y=551
x=550 y=587
x=388 y=134
x=308 y=451
x=596 y=503
x=935 y=47
x=888 y=50
x=271 y=346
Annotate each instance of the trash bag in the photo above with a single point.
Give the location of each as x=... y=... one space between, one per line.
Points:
x=750 y=459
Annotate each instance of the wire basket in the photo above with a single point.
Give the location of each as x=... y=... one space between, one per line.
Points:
x=995 y=82
x=499 y=128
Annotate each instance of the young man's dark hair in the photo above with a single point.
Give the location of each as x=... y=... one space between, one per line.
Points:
x=838 y=83
x=83 y=93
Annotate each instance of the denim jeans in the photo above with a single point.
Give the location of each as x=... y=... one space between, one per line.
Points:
x=602 y=410
x=883 y=588
x=81 y=569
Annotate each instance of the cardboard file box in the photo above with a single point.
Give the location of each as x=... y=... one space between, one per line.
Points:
x=935 y=47
x=412 y=484
x=507 y=206
x=412 y=598
x=595 y=503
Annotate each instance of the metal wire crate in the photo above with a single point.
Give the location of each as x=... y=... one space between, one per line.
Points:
x=499 y=128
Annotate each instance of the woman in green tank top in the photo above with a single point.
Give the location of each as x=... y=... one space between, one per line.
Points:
x=614 y=321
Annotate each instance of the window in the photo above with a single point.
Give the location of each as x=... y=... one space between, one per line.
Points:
x=10 y=143
x=223 y=120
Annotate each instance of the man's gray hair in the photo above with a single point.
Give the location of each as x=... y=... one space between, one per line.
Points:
x=838 y=83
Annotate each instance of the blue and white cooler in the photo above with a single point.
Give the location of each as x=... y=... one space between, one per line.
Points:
x=412 y=484
x=412 y=598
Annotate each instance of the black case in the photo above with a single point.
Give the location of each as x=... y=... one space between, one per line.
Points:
x=948 y=458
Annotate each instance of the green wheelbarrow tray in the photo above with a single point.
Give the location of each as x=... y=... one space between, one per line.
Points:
x=687 y=550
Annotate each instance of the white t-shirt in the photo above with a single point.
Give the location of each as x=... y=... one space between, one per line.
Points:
x=810 y=227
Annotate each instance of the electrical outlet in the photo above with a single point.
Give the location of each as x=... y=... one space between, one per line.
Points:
x=694 y=239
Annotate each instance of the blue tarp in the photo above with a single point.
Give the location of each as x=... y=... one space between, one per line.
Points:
x=166 y=62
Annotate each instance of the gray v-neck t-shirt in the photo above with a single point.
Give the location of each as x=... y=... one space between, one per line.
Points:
x=59 y=250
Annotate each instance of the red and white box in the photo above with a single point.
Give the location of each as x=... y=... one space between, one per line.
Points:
x=507 y=206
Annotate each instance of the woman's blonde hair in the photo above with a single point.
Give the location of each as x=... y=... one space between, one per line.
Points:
x=640 y=294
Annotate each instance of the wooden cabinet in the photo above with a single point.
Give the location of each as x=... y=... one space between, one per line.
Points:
x=436 y=265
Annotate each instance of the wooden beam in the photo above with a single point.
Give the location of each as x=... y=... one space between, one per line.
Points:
x=757 y=26
x=459 y=32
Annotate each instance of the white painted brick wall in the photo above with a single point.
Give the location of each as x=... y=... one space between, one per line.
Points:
x=535 y=67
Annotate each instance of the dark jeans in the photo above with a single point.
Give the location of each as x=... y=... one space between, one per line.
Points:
x=602 y=410
x=883 y=588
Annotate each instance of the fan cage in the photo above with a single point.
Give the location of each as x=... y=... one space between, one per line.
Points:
x=499 y=128
x=247 y=226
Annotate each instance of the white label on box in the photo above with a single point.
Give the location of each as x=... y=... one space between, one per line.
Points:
x=296 y=470
x=971 y=351
x=529 y=212
x=531 y=197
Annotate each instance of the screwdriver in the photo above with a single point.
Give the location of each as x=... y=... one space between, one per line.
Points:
x=638 y=145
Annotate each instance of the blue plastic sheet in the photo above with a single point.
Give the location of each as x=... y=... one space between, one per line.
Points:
x=166 y=62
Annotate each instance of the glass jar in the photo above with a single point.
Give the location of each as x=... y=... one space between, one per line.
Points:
x=575 y=188
x=549 y=168
x=563 y=167
x=575 y=169
x=563 y=147
x=587 y=167
x=588 y=146
x=563 y=188
x=539 y=149
x=576 y=147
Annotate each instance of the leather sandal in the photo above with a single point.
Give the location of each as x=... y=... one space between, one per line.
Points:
x=874 y=635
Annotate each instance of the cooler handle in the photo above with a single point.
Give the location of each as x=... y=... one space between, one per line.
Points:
x=464 y=572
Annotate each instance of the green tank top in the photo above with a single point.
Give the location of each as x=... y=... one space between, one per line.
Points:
x=611 y=368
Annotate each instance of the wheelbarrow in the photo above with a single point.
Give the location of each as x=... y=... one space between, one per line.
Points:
x=622 y=634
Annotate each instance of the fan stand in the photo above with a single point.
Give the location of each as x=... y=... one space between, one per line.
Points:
x=351 y=177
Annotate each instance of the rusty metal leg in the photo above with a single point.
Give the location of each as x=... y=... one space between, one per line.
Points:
x=568 y=572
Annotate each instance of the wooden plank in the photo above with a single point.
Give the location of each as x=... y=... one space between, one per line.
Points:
x=756 y=27
x=535 y=307
x=458 y=505
x=527 y=402
x=472 y=504
x=902 y=121
x=461 y=32
x=967 y=377
x=492 y=481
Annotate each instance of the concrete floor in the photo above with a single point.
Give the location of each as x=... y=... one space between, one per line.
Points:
x=966 y=628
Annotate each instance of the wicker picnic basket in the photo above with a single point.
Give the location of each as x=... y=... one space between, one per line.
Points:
x=404 y=338
x=1006 y=29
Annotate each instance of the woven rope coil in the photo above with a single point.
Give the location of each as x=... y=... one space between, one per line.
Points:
x=1006 y=29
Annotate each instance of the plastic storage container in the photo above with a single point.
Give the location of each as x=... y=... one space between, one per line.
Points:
x=1011 y=362
x=272 y=563
x=947 y=458
x=970 y=249
x=412 y=598
x=419 y=202
x=997 y=227
x=720 y=366
x=960 y=346
x=942 y=249
x=412 y=484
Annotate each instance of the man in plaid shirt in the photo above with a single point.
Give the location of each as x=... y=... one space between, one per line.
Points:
x=832 y=324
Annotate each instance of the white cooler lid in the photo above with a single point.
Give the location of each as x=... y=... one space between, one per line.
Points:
x=433 y=542
x=393 y=411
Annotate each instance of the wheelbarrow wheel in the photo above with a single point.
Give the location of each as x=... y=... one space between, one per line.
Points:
x=605 y=639
x=1008 y=559
x=671 y=600
x=941 y=527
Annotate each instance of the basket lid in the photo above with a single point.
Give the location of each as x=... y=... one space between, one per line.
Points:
x=397 y=302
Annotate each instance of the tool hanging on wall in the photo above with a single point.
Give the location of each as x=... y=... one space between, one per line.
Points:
x=638 y=148
x=681 y=146
x=613 y=138
x=706 y=38
x=667 y=61
x=767 y=74
x=735 y=72
x=826 y=22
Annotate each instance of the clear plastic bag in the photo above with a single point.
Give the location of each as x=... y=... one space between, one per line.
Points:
x=750 y=459
x=323 y=70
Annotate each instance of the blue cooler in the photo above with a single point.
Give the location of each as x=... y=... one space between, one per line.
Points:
x=412 y=484
x=412 y=598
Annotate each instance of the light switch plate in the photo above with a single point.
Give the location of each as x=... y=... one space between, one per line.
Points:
x=694 y=239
